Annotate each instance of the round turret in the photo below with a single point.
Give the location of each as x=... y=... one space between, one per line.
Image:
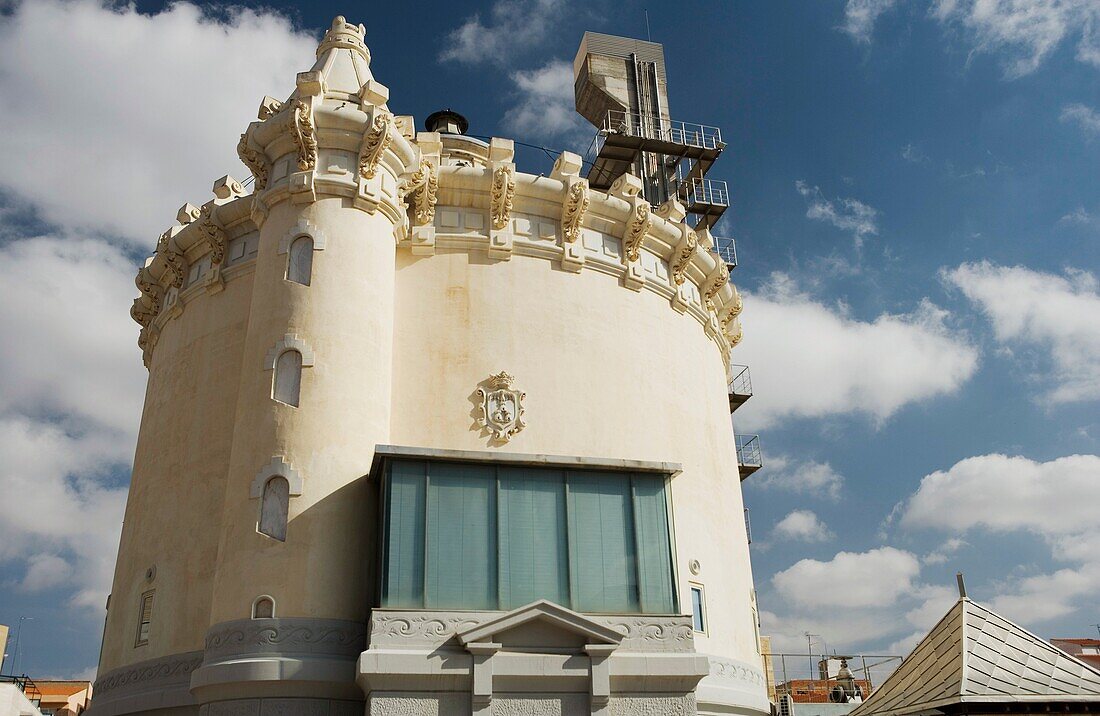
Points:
x=428 y=432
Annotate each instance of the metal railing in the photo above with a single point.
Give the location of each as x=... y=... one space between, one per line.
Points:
x=748 y=451
x=726 y=248
x=651 y=126
x=741 y=383
x=25 y=684
x=703 y=191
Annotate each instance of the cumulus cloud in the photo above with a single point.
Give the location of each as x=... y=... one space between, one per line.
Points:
x=1087 y=118
x=111 y=126
x=542 y=97
x=544 y=108
x=871 y=367
x=850 y=215
x=1057 y=315
x=1053 y=500
x=512 y=27
x=151 y=109
x=874 y=578
x=860 y=17
x=806 y=477
x=802 y=526
x=1025 y=32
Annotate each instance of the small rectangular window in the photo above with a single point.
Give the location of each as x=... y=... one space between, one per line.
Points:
x=145 y=618
x=698 y=609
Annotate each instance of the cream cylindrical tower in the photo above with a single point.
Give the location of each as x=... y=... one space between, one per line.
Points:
x=426 y=434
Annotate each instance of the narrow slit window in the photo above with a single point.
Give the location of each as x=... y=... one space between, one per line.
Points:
x=698 y=609
x=263 y=608
x=274 y=508
x=288 y=378
x=145 y=619
x=300 y=261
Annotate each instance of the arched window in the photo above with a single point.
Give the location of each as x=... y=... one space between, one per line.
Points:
x=274 y=507
x=263 y=608
x=287 y=385
x=299 y=267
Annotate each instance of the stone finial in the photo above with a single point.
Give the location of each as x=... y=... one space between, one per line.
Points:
x=310 y=83
x=187 y=213
x=374 y=92
x=626 y=186
x=342 y=34
x=672 y=210
x=228 y=188
x=568 y=164
x=269 y=107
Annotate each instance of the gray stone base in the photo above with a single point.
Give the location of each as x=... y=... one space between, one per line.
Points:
x=282 y=707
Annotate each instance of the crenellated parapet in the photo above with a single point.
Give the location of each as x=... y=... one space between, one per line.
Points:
x=335 y=136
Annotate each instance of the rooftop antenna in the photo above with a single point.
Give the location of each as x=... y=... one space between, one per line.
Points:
x=647 y=35
x=962 y=585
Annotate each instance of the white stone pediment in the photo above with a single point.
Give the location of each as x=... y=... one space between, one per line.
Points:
x=542 y=624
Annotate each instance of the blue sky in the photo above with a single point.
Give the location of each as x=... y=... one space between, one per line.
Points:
x=917 y=210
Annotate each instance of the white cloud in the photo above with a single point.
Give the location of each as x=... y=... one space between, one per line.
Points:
x=111 y=125
x=864 y=367
x=1058 y=315
x=1054 y=500
x=151 y=110
x=799 y=476
x=875 y=578
x=1078 y=216
x=944 y=552
x=1025 y=32
x=45 y=571
x=849 y=215
x=544 y=108
x=802 y=526
x=860 y=17
x=913 y=154
x=514 y=27
x=1087 y=118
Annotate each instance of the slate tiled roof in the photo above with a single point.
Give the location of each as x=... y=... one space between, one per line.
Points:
x=976 y=655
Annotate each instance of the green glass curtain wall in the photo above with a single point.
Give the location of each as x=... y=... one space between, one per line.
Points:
x=482 y=536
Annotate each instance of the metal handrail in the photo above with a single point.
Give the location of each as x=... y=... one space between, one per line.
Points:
x=748 y=451
x=726 y=248
x=704 y=191
x=651 y=126
x=741 y=383
x=25 y=684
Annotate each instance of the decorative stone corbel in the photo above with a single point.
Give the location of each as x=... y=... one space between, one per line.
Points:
x=374 y=93
x=150 y=289
x=575 y=202
x=600 y=674
x=371 y=150
x=305 y=137
x=421 y=190
x=717 y=278
x=681 y=259
x=173 y=257
x=256 y=161
x=142 y=313
x=374 y=144
x=405 y=125
x=226 y=189
x=629 y=188
x=502 y=192
x=213 y=234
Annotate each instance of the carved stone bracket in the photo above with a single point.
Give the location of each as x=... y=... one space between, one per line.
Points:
x=375 y=142
x=173 y=257
x=502 y=192
x=256 y=161
x=422 y=191
x=212 y=234
x=305 y=137
x=717 y=279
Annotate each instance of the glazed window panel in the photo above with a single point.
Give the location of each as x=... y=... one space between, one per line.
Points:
x=479 y=536
x=288 y=378
x=300 y=261
x=145 y=618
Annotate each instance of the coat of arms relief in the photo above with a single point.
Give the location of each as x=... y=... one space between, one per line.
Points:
x=501 y=407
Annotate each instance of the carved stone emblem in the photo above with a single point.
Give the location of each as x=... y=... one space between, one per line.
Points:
x=501 y=407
